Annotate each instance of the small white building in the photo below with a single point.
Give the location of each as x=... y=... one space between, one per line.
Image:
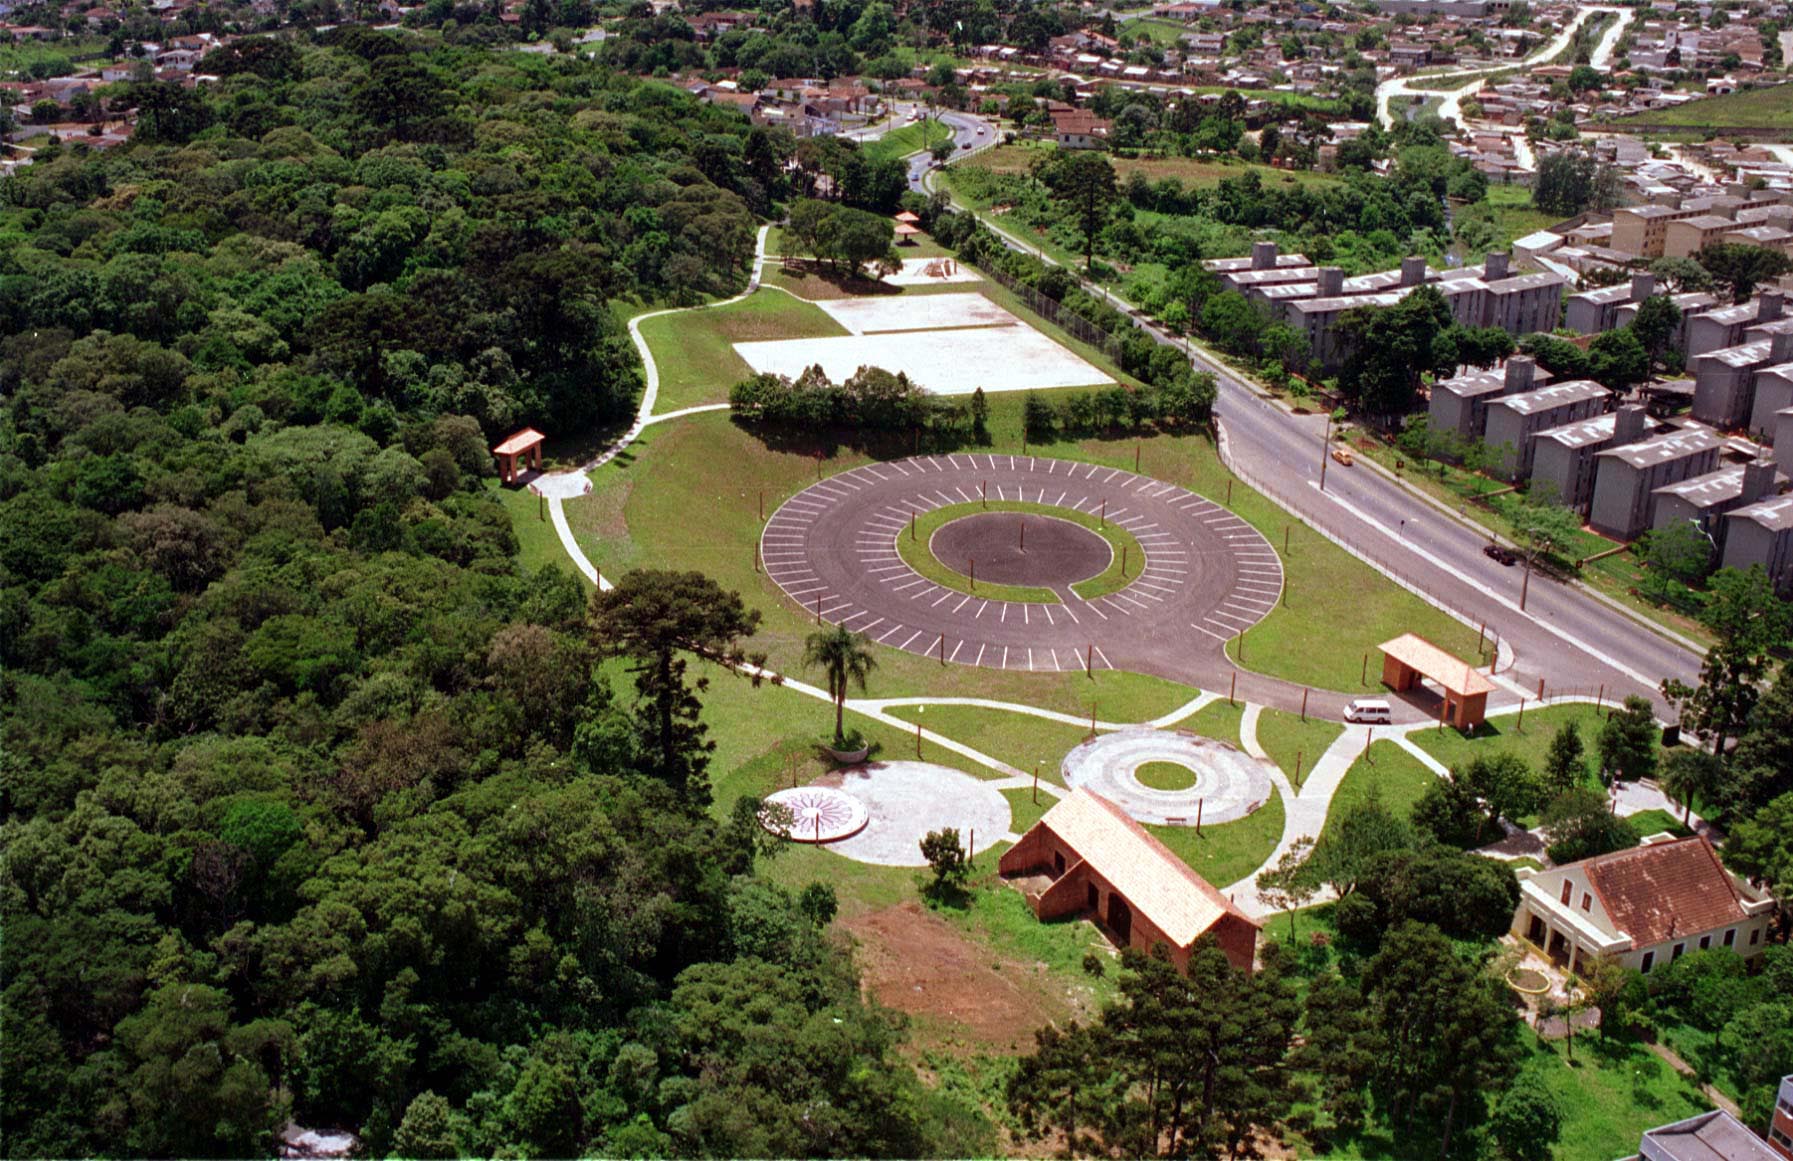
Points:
x=1644 y=907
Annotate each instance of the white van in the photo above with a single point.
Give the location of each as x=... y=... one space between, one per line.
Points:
x=1372 y=711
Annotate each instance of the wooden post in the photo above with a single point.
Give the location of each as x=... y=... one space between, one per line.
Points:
x=1242 y=645
x=941 y=645
x=1540 y=689
x=818 y=608
x=1036 y=782
x=1298 y=754
x=1285 y=539
x=983 y=492
x=971 y=847
x=1089 y=667
x=1198 y=816
x=1092 y=720
x=1123 y=560
x=1368 y=737
x=1363 y=677
x=762 y=505
x=1600 y=698
x=1480 y=632
x=1229 y=493
x=756 y=558
x=1102 y=517
x=918 y=739
x=1024 y=534
x=1136 y=455
x=973 y=574
x=1494 y=654
x=911 y=524
x=541 y=506
x=1519 y=726
x=1233 y=688
x=1304 y=704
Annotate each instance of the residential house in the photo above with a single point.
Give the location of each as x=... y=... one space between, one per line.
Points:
x=1626 y=478
x=1644 y=907
x=1512 y=420
x=1564 y=458
x=1704 y=500
x=1713 y=1136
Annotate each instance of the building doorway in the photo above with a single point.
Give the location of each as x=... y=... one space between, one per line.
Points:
x=1120 y=920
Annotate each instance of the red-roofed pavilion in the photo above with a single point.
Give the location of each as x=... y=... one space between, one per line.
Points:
x=525 y=445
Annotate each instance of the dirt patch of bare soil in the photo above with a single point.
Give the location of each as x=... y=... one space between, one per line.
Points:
x=958 y=993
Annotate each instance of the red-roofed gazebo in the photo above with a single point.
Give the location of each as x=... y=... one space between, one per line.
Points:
x=525 y=445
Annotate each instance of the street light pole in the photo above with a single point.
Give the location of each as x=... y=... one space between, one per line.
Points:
x=1325 y=447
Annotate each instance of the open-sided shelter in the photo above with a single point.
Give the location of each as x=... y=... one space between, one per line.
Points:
x=1093 y=859
x=525 y=445
x=1408 y=658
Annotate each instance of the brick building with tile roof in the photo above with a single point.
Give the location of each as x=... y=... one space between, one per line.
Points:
x=1645 y=907
x=1086 y=856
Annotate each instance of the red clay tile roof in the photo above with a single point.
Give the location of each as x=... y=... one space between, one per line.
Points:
x=1455 y=674
x=1154 y=881
x=1660 y=890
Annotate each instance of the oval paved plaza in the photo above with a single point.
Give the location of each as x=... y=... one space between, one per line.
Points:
x=1229 y=783
x=1208 y=574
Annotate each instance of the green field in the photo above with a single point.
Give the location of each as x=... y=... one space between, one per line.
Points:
x=908 y=139
x=1387 y=771
x=1530 y=740
x=1769 y=108
x=1225 y=853
x=694 y=350
x=1021 y=740
x=1285 y=737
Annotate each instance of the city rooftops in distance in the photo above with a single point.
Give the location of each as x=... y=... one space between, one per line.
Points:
x=1688 y=441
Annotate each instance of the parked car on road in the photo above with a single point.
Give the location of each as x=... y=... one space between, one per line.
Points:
x=1343 y=455
x=1501 y=553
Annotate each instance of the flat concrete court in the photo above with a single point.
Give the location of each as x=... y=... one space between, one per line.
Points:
x=906 y=800
x=949 y=344
x=1208 y=574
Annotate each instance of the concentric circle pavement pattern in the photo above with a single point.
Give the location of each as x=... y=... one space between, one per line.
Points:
x=1207 y=575
x=1229 y=783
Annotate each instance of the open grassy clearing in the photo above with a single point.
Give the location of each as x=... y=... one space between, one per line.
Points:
x=907 y=139
x=1228 y=852
x=1503 y=734
x=1218 y=720
x=1286 y=738
x=1021 y=740
x=916 y=551
x=537 y=545
x=695 y=352
x=1325 y=624
x=1508 y=210
x=1388 y=772
x=1649 y=822
x=1769 y=108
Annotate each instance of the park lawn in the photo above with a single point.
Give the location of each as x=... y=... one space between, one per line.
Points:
x=1218 y=720
x=1334 y=610
x=1201 y=172
x=1285 y=737
x=1387 y=771
x=1768 y=108
x=1503 y=734
x=538 y=546
x=1160 y=32
x=1613 y=1092
x=1514 y=216
x=910 y=138
x=1228 y=852
x=694 y=349
x=1649 y=822
x=1026 y=807
x=1021 y=740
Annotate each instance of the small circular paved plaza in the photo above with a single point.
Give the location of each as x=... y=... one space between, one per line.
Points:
x=1224 y=783
x=833 y=549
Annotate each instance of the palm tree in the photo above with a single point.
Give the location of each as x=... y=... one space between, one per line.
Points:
x=1687 y=774
x=846 y=657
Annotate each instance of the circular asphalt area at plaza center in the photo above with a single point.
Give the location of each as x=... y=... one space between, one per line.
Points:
x=1207 y=575
x=1021 y=548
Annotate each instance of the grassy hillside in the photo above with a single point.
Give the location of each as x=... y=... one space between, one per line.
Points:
x=1770 y=108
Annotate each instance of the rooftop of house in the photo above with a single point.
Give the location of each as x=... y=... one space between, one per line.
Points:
x=1664 y=448
x=1583 y=432
x=1660 y=889
x=1751 y=354
x=1154 y=881
x=1713 y=1136
x=1709 y=489
x=1774 y=514
x=1555 y=395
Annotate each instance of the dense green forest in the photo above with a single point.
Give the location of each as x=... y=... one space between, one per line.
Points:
x=317 y=805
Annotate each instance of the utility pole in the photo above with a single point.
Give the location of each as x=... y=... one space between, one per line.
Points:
x=1325 y=447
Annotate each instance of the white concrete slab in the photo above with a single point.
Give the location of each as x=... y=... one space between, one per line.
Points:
x=919 y=312
x=1016 y=358
x=931 y=272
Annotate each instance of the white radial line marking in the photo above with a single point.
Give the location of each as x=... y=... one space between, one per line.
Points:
x=911 y=640
x=955 y=652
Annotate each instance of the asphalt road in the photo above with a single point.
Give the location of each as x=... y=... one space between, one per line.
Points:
x=1571 y=639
